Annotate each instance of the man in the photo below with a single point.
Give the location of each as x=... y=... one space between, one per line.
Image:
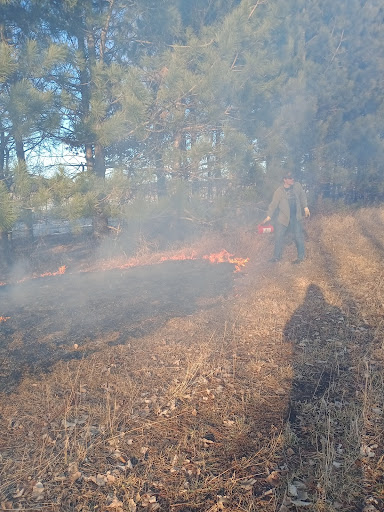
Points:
x=289 y=202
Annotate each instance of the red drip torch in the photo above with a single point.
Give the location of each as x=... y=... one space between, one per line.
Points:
x=263 y=229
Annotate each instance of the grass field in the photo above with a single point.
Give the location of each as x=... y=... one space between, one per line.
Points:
x=152 y=384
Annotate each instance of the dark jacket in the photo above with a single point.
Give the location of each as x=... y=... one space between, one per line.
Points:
x=280 y=204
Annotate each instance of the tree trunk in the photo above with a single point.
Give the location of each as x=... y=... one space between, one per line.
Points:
x=99 y=161
x=161 y=183
x=28 y=216
x=19 y=146
x=89 y=158
x=5 y=249
x=100 y=223
x=2 y=155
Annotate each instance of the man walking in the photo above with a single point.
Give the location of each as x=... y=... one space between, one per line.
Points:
x=289 y=202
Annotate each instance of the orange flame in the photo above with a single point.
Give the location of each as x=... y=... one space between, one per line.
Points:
x=57 y=273
x=4 y=319
x=225 y=257
x=220 y=257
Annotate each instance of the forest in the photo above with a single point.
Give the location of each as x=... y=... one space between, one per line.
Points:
x=160 y=105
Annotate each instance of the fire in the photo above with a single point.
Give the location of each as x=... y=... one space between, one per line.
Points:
x=220 y=257
x=57 y=273
x=225 y=257
x=4 y=319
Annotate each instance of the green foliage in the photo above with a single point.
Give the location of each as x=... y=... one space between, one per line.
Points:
x=22 y=186
x=192 y=91
x=8 y=213
x=7 y=64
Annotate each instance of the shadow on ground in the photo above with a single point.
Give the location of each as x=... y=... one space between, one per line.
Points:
x=325 y=390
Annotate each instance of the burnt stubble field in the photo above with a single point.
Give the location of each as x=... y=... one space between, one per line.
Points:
x=48 y=316
x=185 y=386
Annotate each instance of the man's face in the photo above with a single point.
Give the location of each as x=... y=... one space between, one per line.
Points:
x=288 y=181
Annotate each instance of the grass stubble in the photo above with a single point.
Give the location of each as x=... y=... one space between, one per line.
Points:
x=272 y=400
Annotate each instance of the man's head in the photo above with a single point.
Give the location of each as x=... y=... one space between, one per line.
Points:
x=288 y=179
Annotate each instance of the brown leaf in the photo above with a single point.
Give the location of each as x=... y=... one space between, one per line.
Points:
x=273 y=478
x=38 y=491
x=116 y=504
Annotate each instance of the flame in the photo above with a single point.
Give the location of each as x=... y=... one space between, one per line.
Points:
x=225 y=257
x=57 y=273
x=4 y=319
x=220 y=257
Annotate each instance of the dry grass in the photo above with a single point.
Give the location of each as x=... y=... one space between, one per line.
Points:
x=271 y=399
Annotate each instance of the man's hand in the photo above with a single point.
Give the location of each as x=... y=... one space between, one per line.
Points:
x=267 y=219
x=307 y=213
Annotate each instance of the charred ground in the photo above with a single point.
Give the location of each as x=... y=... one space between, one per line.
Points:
x=183 y=386
x=48 y=316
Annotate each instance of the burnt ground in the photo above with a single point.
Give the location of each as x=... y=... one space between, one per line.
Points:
x=47 y=316
x=182 y=386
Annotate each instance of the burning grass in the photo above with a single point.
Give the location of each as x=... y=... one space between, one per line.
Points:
x=266 y=395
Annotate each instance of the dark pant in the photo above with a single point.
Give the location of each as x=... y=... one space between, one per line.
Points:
x=296 y=228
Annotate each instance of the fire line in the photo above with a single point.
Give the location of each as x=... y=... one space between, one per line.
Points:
x=57 y=273
x=220 y=257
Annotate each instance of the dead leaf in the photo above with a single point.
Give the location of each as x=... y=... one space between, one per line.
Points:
x=69 y=424
x=38 y=491
x=273 y=478
x=117 y=454
x=131 y=505
x=110 y=478
x=99 y=480
x=292 y=490
x=74 y=476
x=367 y=451
x=248 y=484
x=147 y=499
x=18 y=493
x=116 y=504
